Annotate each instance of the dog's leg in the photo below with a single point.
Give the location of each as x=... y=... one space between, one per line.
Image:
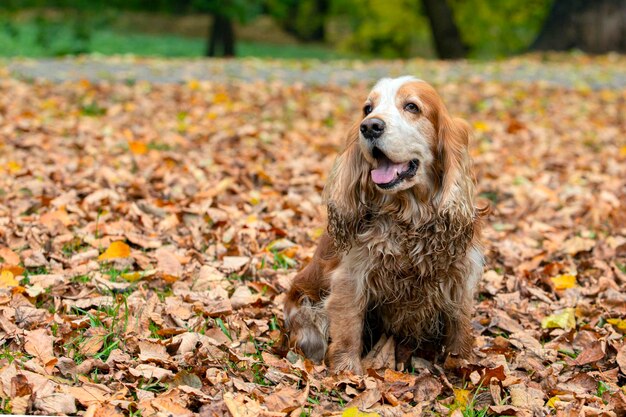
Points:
x=305 y=316
x=308 y=325
x=458 y=332
x=458 y=322
x=346 y=308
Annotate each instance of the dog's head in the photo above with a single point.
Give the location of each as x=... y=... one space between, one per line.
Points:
x=404 y=147
x=405 y=134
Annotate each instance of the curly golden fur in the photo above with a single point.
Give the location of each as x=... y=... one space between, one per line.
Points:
x=402 y=252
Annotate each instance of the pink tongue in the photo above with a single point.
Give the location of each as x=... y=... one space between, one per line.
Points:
x=387 y=171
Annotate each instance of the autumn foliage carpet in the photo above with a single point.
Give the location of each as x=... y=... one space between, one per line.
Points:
x=148 y=232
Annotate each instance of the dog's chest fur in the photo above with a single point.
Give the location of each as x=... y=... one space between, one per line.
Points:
x=414 y=272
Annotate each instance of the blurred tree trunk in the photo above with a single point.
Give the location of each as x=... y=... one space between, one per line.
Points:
x=446 y=36
x=595 y=26
x=221 y=37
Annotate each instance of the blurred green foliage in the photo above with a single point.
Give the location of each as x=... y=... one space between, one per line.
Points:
x=393 y=28
x=303 y=18
x=385 y=29
x=49 y=38
x=494 y=28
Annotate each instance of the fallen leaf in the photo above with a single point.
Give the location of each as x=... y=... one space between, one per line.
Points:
x=89 y=393
x=117 y=249
x=552 y=401
x=526 y=397
x=50 y=402
x=168 y=264
x=577 y=244
x=7 y=280
x=462 y=397
x=620 y=324
x=563 y=320
x=355 y=412
x=39 y=344
x=8 y=256
x=137 y=147
x=235 y=263
x=563 y=282
x=151 y=371
x=286 y=399
x=590 y=354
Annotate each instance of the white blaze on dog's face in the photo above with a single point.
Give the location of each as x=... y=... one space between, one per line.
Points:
x=398 y=136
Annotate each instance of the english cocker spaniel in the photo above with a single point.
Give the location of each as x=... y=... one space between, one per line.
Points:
x=402 y=254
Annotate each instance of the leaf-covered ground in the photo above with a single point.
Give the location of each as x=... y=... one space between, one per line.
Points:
x=149 y=230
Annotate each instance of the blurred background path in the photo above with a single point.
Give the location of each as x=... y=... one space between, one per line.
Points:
x=561 y=70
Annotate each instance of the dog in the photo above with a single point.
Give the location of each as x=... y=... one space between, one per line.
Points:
x=402 y=254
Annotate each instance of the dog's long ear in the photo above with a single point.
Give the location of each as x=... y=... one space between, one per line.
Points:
x=456 y=191
x=345 y=192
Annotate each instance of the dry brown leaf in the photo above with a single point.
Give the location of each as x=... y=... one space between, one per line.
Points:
x=427 y=387
x=366 y=399
x=39 y=344
x=48 y=401
x=576 y=245
x=382 y=355
x=89 y=393
x=9 y=257
x=526 y=397
x=286 y=399
x=234 y=263
x=591 y=354
x=152 y=352
x=150 y=371
x=242 y=297
x=168 y=263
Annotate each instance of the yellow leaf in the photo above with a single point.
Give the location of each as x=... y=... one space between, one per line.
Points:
x=316 y=232
x=622 y=151
x=137 y=147
x=563 y=320
x=355 y=412
x=462 y=397
x=563 y=282
x=220 y=98
x=7 y=279
x=14 y=167
x=137 y=275
x=115 y=250
x=193 y=84
x=552 y=401
x=481 y=126
x=619 y=323
x=14 y=269
x=132 y=276
x=255 y=197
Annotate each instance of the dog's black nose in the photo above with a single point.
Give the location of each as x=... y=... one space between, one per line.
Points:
x=372 y=128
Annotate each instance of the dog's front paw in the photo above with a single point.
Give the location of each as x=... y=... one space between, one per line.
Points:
x=311 y=342
x=342 y=360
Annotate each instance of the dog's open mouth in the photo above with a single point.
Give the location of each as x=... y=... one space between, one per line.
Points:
x=389 y=173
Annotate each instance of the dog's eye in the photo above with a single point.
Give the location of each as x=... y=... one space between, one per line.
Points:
x=367 y=109
x=412 y=107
